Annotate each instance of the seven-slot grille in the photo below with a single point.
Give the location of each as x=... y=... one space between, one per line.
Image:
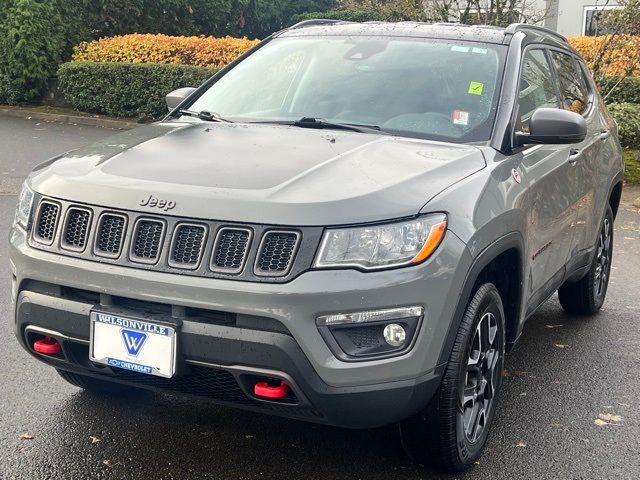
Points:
x=276 y=252
x=121 y=238
x=110 y=234
x=47 y=222
x=76 y=228
x=230 y=250
x=147 y=241
x=188 y=241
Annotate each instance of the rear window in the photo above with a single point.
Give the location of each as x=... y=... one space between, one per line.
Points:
x=573 y=85
x=415 y=87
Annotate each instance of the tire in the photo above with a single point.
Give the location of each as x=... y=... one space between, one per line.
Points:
x=445 y=435
x=586 y=296
x=93 y=384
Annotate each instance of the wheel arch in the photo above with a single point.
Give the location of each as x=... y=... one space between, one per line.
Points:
x=501 y=263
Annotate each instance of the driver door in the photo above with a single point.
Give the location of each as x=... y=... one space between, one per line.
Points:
x=550 y=199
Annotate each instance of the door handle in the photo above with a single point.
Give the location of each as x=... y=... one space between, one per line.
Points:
x=605 y=134
x=574 y=155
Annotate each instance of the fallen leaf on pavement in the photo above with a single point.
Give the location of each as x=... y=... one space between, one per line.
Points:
x=607 y=417
x=94 y=439
x=560 y=345
x=554 y=326
x=25 y=436
x=107 y=463
x=521 y=444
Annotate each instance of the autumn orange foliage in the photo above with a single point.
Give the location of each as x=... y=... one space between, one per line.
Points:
x=621 y=57
x=147 y=48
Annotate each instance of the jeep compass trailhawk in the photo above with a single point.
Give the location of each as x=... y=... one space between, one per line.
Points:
x=347 y=225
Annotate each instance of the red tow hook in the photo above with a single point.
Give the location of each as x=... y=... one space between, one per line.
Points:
x=47 y=346
x=264 y=390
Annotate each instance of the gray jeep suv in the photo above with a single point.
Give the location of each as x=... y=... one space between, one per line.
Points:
x=348 y=225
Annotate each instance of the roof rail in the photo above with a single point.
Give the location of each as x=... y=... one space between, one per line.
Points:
x=315 y=22
x=518 y=27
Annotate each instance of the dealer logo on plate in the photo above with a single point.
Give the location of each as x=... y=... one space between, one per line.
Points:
x=133 y=341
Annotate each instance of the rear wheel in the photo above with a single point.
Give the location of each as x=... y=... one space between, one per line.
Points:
x=93 y=384
x=452 y=431
x=586 y=296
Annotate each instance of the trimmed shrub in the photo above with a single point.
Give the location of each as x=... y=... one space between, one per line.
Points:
x=623 y=90
x=628 y=117
x=622 y=58
x=396 y=11
x=126 y=89
x=31 y=41
x=148 y=48
x=361 y=14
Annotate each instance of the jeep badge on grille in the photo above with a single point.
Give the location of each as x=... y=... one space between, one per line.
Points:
x=154 y=202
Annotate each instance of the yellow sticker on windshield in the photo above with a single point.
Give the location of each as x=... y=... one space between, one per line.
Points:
x=476 y=88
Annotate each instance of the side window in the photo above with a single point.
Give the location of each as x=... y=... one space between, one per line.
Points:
x=537 y=88
x=573 y=86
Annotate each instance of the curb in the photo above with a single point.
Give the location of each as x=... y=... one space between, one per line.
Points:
x=68 y=119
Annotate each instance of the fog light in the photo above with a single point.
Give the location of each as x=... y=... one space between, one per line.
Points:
x=395 y=335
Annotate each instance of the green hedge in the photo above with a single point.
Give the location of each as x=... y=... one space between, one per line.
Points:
x=126 y=89
x=31 y=42
x=626 y=90
x=628 y=117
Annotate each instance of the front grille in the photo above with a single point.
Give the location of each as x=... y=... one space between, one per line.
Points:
x=110 y=234
x=276 y=252
x=188 y=241
x=147 y=241
x=76 y=228
x=47 y=222
x=173 y=244
x=230 y=250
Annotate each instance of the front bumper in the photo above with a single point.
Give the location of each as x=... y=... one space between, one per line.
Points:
x=328 y=390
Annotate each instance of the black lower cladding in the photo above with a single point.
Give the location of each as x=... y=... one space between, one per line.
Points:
x=226 y=344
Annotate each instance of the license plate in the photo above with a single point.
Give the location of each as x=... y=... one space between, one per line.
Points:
x=132 y=344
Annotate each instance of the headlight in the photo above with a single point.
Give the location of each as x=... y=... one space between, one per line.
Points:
x=23 y=210
x=382 y=246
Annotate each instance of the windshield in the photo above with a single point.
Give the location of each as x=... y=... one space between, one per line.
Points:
x=415 y=87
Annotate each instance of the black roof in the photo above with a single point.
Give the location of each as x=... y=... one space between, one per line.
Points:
x=449 y=31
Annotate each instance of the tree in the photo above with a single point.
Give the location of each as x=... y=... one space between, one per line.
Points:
x=619 y=47
x=485 y=12
x=31 y=41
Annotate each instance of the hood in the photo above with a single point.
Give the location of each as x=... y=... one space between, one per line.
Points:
x=259 y=173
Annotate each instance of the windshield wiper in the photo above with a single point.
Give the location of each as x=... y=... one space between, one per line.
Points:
x=311 y=122
x=204 y=115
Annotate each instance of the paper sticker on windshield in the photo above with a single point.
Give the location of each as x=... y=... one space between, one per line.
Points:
x=457 y=48
x=460 y=118
x=480 y=50
x=476 y=88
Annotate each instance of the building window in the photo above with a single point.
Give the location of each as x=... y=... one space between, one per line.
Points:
x=594 y=19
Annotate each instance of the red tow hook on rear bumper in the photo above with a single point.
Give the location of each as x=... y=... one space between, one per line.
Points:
x=272 y=392
x=47 y=346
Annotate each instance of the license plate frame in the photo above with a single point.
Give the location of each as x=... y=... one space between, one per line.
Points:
x=124 y=341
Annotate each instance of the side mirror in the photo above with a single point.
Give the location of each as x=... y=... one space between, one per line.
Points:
x=553 y=126
x=176 y=97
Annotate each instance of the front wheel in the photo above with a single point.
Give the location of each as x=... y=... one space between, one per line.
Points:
x=586 y=296
x=452 y=431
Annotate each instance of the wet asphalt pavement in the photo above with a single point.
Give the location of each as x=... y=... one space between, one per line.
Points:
x=570 y=404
